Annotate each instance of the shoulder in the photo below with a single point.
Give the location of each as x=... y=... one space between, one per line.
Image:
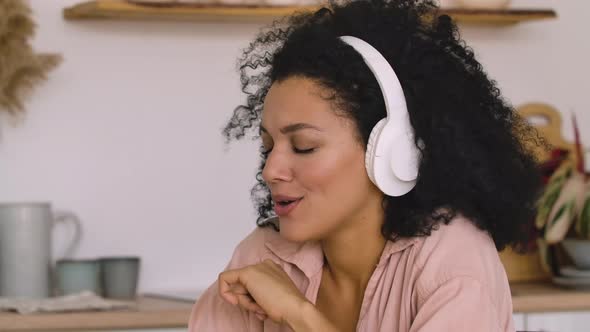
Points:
x=459 y=250
x=266 y=243
x=253 y=248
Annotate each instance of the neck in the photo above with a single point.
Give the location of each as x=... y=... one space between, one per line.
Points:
x=353 y=251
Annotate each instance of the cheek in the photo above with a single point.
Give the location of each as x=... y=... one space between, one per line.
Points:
x=333 y=175
x=335 y=185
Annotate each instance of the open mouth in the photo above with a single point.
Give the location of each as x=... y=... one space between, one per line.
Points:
x=284 y=207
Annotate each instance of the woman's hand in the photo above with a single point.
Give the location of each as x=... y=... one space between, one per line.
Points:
x=265 y=289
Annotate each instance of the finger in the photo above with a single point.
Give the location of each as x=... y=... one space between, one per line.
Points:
x=244 y=297
x=246 y=302
x=225 y=281
x=239 y=289
x=261 y=316
x=229 y=297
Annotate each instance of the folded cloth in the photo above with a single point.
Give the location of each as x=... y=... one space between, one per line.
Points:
x=83 y=301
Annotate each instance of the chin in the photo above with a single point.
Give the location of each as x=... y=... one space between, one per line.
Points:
x=294 y=232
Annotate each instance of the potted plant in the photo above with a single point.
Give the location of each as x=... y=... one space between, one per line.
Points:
x=563 y=215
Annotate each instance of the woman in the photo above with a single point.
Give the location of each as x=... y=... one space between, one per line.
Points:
x=394 y=232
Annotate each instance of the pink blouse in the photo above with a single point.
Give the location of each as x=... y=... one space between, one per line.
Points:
x=452 y=280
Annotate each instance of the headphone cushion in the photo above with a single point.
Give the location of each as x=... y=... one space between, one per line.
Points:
x=371 y=146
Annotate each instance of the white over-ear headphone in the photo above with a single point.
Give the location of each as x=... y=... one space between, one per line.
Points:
x=392 y=157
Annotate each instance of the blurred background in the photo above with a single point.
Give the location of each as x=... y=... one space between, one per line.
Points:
x=126 y=131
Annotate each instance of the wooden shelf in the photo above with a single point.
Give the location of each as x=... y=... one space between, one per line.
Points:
x=121 y=9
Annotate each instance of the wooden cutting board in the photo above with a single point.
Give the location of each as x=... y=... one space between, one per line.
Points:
x=550 y=129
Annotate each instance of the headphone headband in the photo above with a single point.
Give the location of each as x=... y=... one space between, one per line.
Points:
x=393 y=94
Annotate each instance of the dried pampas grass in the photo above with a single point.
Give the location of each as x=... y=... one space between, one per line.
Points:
x=20 y=67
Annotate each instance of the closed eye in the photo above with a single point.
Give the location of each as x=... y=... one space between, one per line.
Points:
x=303 y=151
x=266 y=152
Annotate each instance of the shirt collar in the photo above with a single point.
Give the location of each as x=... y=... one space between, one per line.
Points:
x=392 y=247
x=309 y=257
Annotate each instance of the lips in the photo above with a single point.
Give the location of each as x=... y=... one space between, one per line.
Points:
x=283 y=205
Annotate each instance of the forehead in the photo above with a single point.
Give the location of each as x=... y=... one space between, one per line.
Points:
x=297 y=100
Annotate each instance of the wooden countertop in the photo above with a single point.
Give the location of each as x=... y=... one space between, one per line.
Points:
x=154 y=312
x=547 y=297
x=150 y=312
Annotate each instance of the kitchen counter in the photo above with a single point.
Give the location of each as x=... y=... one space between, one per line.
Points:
x=546 y=297
x=154 y=312
x=150 y=312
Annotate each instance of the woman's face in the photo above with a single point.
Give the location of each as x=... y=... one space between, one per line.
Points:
x=315 y=166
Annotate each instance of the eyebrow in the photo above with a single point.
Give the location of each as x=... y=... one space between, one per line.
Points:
x=292 y=128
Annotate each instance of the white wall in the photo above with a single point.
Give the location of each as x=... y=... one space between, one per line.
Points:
x=126 y=132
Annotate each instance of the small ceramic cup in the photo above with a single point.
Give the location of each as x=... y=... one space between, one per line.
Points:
x=579 y=252
x=77 y=275
x=120 y=276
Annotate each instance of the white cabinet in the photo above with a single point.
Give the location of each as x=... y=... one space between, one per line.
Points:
x=530 y=322
x=558 y=322
x=519 y=322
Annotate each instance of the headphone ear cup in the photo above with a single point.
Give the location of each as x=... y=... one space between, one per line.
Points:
x=371 y=146
x=383 y=140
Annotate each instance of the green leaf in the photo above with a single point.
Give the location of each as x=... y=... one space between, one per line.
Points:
x=545 y=204
x=560 y=212
x=552 y=197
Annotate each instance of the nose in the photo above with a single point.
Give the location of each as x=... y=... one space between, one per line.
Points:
x=277 y=167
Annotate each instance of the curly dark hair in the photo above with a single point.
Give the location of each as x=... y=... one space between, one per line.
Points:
x=474 y=158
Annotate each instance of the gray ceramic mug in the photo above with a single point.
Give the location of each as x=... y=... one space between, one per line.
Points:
x=77 y=275
x=120 y=276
